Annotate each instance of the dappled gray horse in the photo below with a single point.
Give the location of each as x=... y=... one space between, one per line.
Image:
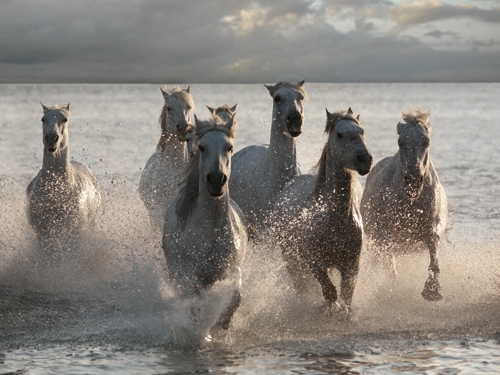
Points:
x=317 y=216
x=64 y=196
x=159 y=180
x=204 y=236
x=404 y=202
x=259 y=173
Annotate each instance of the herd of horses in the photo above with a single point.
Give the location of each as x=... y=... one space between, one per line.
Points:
x=210 y=203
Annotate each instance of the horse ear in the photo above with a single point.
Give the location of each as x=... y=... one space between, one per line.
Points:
x=165 y=94
x=357 y=117
x=212 y=110
x=301 y=83
x=271 y=89
x=231 y=124
x=400 y=127
x=67 y=107
x=196 y=121
x=349 y=111
x=330 y=121
x=187 y=90
x=233 y=108
x=45 y=109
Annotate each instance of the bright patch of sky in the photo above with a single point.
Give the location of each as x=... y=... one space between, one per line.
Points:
x=448 y=25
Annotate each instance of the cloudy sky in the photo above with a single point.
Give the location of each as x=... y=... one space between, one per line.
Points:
x=178 y=41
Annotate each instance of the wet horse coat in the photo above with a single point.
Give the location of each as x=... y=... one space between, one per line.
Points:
x=204 y=235
x=159 y=180
x=64 y=197
x=404 y=202
x=317 y=216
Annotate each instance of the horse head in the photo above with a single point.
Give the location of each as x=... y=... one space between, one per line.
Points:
x=176 y=113
x=224 y=112
x=346 y=141
x=55 y=127
x=414 y=141
x=288 y=112
x=215 y=148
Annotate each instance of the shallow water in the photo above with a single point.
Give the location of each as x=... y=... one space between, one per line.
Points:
x=108 y=308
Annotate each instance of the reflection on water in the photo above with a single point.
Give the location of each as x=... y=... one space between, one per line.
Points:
x=417 y=357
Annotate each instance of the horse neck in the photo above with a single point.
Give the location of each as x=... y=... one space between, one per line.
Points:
x=57 y=164
x=214 y=210
x=338 y=185
x=281 y=154
x=168 y=144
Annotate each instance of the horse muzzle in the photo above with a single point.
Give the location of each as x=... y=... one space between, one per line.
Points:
x=413 y=186
x=183 y=130
x=364 y=163
x=215 y=183
x=294 y=124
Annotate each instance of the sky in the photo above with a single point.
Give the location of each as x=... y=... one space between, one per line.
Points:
x=243 y=41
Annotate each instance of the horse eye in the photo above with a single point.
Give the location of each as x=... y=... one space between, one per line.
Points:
x=339 y=135
x=302 y=97
x=43 y=119
x=201 y=148
x=64 y=120
x=230 y=149
x=277 y=98
x=169 y=109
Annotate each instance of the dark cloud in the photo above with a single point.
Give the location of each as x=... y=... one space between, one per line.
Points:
x=439 y=34
x=216 y=41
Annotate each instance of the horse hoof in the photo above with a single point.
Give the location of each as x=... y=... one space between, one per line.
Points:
x=432 y=290
x=337 y=312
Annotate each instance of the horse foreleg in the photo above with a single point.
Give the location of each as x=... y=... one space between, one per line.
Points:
x=432 y=288
x=227 y=314
x=348 y=283
x=295 y=267
x=328 y=289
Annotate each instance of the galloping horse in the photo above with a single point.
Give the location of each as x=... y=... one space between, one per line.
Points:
x=259 y=173
x=64 y=196
x=317 y=216
x=204 y=236
x=159 y=180
x=404 y=202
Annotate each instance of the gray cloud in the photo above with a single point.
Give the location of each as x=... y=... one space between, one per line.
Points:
x=216 y=41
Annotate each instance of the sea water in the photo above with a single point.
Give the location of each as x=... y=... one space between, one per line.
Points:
x=107 y=307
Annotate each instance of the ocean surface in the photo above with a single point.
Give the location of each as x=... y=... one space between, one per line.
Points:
x=108 y=309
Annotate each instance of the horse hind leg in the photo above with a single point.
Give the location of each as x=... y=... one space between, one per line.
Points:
x=432 y=288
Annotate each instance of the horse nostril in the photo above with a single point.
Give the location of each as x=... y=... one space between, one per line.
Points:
x=224 y=179
x=421 y=178
x=359 y=158
x=56 y=138
x=209 y=179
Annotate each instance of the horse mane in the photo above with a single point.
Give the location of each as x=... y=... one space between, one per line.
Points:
x=295 y=85
x=331 y=120
x=183 y=95
x=62 y=108
x=418 y=116
x=190 y=184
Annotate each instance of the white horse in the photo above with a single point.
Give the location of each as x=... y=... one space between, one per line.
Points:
x=223 y=113
x=317 y=216
x=259 y=173
x=64 y=197
x=159 y=180
x=404 y=202
x=204 y=236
